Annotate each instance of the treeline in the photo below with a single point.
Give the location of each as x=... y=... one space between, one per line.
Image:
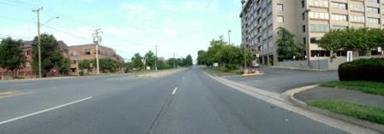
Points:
x=363 y=39
x=228 y=56
x=106 y=65
x=12 y=56
x=139 y=63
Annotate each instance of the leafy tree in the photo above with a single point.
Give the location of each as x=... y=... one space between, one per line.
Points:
x=137 y=61
x=86 y=64
x=65 y=67
x=362 y=39
x=201 y=57
x=51 y=56
x=188 y=61
x=109 y=65
x=287 y=47
x=11 y=54
x=150 y=59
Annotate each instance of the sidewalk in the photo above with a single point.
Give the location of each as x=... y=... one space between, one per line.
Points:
x=325 y=93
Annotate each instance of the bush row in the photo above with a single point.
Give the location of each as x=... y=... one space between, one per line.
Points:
x=362 y=70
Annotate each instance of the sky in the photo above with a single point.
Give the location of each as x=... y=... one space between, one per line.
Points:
x=129 y=26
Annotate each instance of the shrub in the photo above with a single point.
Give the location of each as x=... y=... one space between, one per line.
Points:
x=363 y=69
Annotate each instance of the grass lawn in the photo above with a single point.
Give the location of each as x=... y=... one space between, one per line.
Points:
x=218 y=72
x=368 y=113
x=376 y=88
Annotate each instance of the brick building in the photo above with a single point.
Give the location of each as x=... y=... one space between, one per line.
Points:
x=88 y=52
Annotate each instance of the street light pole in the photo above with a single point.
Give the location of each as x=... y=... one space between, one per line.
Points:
x=37 y=11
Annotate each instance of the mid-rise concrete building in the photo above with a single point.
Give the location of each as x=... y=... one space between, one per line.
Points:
x=308 y=20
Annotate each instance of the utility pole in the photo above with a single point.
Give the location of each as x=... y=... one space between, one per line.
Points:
x=97 y=39
x=37 y=11
x=156 y=59
x=229 y=37
x=174 y=60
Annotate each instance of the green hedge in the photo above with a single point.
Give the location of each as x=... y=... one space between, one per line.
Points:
x=362 y=70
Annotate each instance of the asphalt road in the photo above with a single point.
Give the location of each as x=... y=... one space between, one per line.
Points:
x=281 y=80
x=184 y=103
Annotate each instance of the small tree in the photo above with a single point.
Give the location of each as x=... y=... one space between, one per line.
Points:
x=137 y=61
x=11 y=55
x=188 y=60
x=150 y=59
x=85 y=65
x=287 y=47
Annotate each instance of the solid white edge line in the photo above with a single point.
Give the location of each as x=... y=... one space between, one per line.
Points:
x=43 y=111
x=174 y=91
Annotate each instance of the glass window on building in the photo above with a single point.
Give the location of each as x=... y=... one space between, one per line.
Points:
x=339 y=17
x=374 y=1
x=318 y=15
x=280 y=7
x=373 y=10
x=372 y=20
x=319 y=28
x=360 y=19
x=337 y=5
x=280 y=19
x=357 y=7
x=338 y=27
x=318 y=3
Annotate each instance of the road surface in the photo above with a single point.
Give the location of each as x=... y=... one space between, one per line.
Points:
x=281 y=80
x=188 y=102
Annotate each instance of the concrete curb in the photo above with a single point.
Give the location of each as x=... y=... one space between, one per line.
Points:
x=302 y=104
x=302 y=69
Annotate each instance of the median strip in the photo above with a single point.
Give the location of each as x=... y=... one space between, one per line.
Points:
x=43 y=111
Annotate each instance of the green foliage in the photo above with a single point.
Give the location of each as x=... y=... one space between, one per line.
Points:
x=363 y=69
x=376 y=88
x=228 y=56
x=51 y=56
x=353 y=39
x=188 y=61
x=150 y=59
x=137 y=62
x=287 y=47
x=11 y=54
x=86 y=65
x=108 y=65
x=373 y=114
x=65 y=67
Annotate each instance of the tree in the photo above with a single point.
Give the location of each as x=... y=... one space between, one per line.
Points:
x=287 y=47
x=188 y=61
x=85 y=66
x=201 y=57
x=150 y=59
x=109 y=65
x=362 y=39
x=137 y=61
x=11 y=54
x=51 y=57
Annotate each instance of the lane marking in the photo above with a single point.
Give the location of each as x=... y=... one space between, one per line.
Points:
x=43 y=111
x=174 y=91
x=12 y=94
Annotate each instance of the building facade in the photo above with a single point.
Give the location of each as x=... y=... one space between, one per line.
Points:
x=308 y=20
x=88 y=52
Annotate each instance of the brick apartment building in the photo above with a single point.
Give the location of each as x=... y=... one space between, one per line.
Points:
x=88 y=52
x=74 y=53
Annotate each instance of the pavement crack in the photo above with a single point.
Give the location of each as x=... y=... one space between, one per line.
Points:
x=163 y=108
